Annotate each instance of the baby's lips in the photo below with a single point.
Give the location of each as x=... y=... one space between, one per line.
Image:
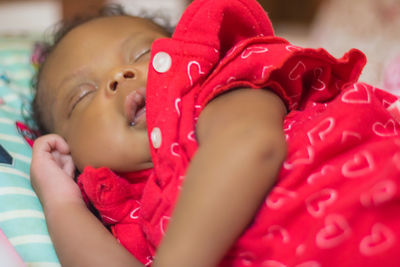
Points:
x=142 y=91
x=133 y=102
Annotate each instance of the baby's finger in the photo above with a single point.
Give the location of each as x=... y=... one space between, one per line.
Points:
x=51 y=142
x=69 y=166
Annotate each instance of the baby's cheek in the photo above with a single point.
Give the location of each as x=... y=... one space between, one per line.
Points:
x=79 y=158
x=84 y=148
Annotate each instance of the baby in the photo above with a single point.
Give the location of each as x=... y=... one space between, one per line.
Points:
x=184 y=157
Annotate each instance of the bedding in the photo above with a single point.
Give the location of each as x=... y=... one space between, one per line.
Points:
x=378 y=36
x=8 y=255
x=21 y=216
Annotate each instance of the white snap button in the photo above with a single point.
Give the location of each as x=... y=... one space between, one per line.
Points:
x=156 y=138
x=162 y=62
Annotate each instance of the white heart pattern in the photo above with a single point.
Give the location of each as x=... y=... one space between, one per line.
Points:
x=297 y=71
x=361 y=164
x=359 y=95
x=164 y=223
x=301 y=157
x=319 y=132
x=379 y=193
x=348 y=136
x=385 y=129
x=318 y=84
x=189 y=70
x=336 y=230
x=381 y=239
x=317 y=203
x=319 y=175
x=253 y=50
x=278 y=197
x=278 y=231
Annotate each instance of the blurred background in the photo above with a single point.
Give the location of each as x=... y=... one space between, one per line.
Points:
x=337 y=25
x=36 y=15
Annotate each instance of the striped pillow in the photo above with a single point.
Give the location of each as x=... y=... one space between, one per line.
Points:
x=21 y=215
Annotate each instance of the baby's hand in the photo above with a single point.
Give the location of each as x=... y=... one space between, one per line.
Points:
x=52 y=171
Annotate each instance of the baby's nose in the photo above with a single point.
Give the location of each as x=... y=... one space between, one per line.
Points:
x=119 y=77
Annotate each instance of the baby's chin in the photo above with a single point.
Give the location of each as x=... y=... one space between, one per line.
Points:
x=142 y=169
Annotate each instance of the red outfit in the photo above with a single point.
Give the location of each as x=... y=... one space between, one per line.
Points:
x=337 y=199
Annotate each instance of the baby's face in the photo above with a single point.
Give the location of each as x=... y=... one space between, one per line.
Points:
x=93 y=87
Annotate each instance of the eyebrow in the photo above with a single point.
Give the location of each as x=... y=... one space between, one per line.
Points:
x=72 y=76
x=133 y=35
x=66 y=97
x=140 y=36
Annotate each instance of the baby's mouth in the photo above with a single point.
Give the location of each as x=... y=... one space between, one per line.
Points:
x=135 y=106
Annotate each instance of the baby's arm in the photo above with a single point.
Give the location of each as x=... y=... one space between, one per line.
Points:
x=241 y=149
x=79 y=237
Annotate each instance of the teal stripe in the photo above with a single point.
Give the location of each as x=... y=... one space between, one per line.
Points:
x=37 y=253
x=17 y=191
x=22 y=165
x=26 y=226
x=9 y=170
x=13 y=180
x=6 y=113
x=19 y=202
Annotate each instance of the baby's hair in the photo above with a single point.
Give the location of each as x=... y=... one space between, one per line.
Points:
x=43 y=49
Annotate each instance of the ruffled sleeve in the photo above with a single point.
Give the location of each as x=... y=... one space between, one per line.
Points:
x=112 y=196
x=227 y=44
x=298 y=75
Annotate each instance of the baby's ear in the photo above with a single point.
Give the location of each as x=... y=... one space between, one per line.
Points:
x=223 y=23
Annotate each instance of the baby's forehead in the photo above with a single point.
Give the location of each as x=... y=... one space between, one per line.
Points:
x=104 y=29
x=113 y=23
x=94 y=33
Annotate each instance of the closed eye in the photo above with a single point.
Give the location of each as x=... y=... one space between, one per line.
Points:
x=141 y=54
x=83 y=93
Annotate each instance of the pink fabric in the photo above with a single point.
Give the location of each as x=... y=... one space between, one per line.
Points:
x=8 y=254
x=336 y=202
x=391 y=76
